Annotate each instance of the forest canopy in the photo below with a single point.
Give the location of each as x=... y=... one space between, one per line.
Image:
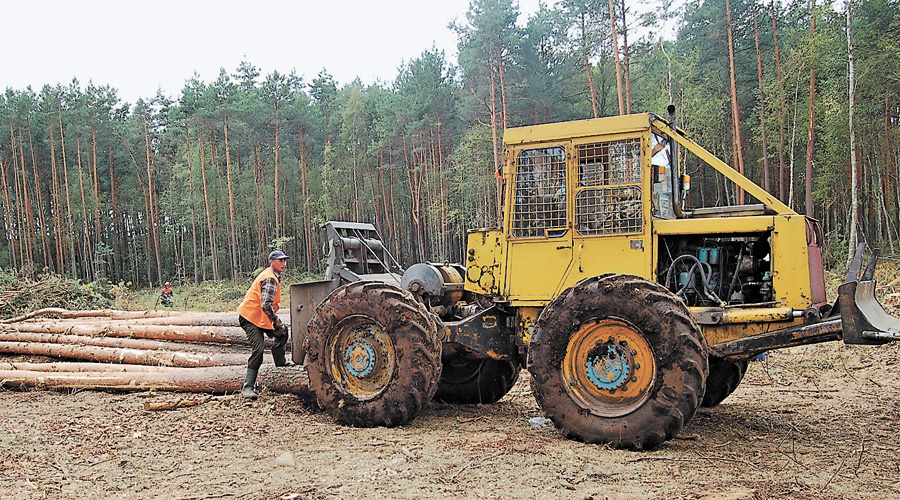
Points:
x=199 y=186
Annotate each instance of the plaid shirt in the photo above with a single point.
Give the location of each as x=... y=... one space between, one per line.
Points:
x=267 y=289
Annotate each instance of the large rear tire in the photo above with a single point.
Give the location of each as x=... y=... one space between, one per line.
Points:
x=617 y=359
x=724 y=377
x=476 y=380
x=374 y=356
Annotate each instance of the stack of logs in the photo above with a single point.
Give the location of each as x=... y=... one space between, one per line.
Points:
x=136 y=350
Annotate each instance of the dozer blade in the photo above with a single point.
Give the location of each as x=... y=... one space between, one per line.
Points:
x=864 y=320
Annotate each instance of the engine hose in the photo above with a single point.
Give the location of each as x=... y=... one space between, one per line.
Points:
x=723 y=253
x=670 y=273
x=706 y=290
x=737 y=269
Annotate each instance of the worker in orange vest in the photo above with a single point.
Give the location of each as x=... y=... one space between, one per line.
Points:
x=166 y=295
x=258 y=319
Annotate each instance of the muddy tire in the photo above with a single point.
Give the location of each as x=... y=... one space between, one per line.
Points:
x=617 y=359
x=476 y=381
x=374 y=356
x=724 y=377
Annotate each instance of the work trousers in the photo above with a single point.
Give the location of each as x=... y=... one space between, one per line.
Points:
x=257 y=338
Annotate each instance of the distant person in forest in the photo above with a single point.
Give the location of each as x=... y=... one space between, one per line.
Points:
x=258 y=318
x=166 y=296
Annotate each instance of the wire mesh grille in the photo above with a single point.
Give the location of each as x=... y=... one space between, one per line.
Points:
x=540 y=196
x=610 y=210
x=608 y=207
x=605 y=163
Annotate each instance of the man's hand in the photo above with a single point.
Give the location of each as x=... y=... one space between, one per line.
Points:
x=280 y=330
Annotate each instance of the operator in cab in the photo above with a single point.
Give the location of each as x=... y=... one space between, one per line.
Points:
x=258 y=318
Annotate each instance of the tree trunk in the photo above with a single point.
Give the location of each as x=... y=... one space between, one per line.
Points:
x=793 y=142
x=587 y=63
x=118 y=223
x=89 y=269
x=146 y=211
x=195 y=318
x=258 y=176
x=153 y=224
x=124 y=355
x=782 y=169
x=187 y=333
x=854 y=181
x=735 y=112
x=503 y=99
x=76 y=367
x=278 y=232
x=195 y=255
x=235 y=264
x=415 y=202
x=57 y=211
x=18 y=202
x=615 y=47
x=95 y=188
x=210 y=224
x=30 y=228
x=762 y=106
x=812 y=113
x=216 y=380
x=304 y=192
x=70 y=225
x=42 y=208
x=8 y=334
x=8 y=218
x=627 y=58
x=590 y=78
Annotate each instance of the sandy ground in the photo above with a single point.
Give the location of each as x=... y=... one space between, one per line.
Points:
x=818 y=422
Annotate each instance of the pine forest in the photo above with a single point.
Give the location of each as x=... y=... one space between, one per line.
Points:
x=802 y=96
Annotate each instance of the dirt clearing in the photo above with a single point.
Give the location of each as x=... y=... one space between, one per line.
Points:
x=817 y=422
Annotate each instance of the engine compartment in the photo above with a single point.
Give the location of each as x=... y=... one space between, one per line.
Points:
x=712 y=271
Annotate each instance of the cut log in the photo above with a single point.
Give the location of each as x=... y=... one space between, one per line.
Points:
x=193 y=318
x=199 y=319
x=136 y=350
x=218 y=380
x=111 y=313
x=231 y=335
x=73 y=366
x=129 y=343
x=121 y=355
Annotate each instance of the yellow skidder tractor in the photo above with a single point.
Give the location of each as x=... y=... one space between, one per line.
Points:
x=628 y=309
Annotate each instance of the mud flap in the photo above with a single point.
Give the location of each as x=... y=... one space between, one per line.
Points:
x=304 y=299
x=864 y=319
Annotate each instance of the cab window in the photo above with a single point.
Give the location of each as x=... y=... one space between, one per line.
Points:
x=539 y=204
x=608 y=198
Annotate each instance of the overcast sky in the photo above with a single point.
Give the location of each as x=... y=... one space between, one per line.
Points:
x=138 y=46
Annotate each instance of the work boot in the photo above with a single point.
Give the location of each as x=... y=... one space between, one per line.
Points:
x=279 y=350
x=249 y=383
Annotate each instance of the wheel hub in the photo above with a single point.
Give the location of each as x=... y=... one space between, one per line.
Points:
x=359 y=358
x=609 y=367
x=362 y=356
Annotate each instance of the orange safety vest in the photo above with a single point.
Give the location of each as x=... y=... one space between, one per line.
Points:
x=251 y=307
